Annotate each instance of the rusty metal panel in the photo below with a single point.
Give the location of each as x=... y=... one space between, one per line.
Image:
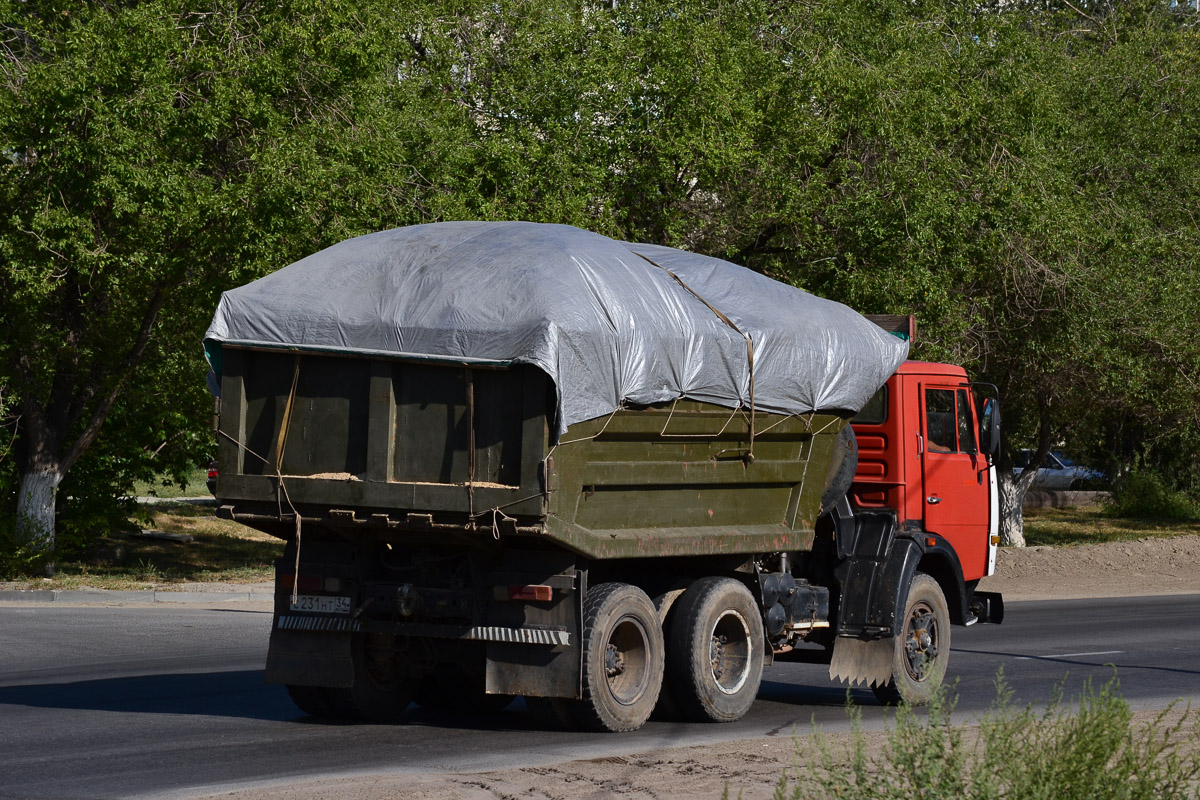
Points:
x=685 y=479
x=364 y=498
x=420 y=446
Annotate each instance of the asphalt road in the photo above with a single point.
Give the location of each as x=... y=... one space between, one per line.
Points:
x=168 y=701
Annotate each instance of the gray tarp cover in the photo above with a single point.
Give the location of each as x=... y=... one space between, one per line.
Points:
x=604 y=319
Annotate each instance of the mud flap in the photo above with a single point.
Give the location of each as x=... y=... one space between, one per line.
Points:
x=310 y=658
x=866 y=661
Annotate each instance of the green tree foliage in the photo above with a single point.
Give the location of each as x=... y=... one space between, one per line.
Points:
x=1023 y=178
x=154 y=155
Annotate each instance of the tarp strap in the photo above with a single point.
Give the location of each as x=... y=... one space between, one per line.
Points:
x=724 y=318
x=284 y=426
x=287 y=417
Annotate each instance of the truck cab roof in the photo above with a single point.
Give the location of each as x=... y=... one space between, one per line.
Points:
x=932 y=368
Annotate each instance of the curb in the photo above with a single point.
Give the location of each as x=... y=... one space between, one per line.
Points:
x=80 y=596
x=1041 y=498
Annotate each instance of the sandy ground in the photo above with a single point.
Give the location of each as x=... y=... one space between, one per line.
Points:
x=1117 y=569
x=752 y=768
x=749 y=769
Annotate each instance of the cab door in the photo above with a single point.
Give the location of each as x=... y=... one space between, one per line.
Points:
x=954 y=473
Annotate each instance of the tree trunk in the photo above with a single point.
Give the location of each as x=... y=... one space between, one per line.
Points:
x=35 y=508
x=1012 y=501
x=1012 y=515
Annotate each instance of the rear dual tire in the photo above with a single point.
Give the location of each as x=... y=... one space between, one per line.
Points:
x=715 y=651
x=622 y=656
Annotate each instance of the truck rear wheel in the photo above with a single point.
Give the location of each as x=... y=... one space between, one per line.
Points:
x=715 y=659
x=922 y=650
x=312 y=700
x=381 y=692
x=622 y=658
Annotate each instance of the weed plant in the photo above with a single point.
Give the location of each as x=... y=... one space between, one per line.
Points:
x=1089 y=748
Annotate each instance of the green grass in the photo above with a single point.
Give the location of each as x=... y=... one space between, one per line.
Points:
x=219 y=552
x=164 y=487
x=1063 y=527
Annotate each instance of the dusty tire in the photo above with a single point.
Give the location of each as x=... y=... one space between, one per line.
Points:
x=622 y=658
x=312 y=700
x=667 y=709
x=380 y=692
x=922 y=649
x=715 y=650
x=838 y=482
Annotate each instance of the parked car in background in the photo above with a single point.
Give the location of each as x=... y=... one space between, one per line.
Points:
x=212 y=478
x=1057 y=472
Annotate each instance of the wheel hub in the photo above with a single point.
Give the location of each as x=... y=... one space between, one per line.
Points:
x=614 y=664
x=729 y=652
x=716 y=655
x=920 y=641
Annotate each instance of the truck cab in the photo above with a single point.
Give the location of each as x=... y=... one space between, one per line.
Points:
x=924 y=442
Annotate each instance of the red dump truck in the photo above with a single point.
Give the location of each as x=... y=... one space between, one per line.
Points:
x=515 y=459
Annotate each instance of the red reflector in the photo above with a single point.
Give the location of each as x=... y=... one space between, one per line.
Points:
x=538 y=592
x=930 y=541
x=307 y=583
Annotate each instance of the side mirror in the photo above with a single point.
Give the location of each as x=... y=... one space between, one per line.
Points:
x=989 y=422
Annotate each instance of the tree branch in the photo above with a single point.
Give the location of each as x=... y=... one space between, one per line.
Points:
x=132 y=359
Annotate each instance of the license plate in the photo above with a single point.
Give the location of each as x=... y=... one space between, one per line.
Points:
x=321 y=604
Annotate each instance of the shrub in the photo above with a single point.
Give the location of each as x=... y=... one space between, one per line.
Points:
x=1086 y=749
x=1144 y=494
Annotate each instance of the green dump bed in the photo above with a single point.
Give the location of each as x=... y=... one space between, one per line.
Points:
x=404 y=449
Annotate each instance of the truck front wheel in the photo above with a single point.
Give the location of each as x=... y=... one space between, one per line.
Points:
x=715 y=660
x=622 y=658
x=922 y=650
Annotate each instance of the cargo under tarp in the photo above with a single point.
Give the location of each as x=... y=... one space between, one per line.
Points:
x=612 y=323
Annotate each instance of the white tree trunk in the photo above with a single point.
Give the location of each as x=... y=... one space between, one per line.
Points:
x=35 y=507
x=1012 y=514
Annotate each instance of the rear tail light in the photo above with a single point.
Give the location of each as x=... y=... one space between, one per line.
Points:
x=540 y=593
x=305 y=583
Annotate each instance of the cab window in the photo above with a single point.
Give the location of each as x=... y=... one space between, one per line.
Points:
x=875 y=411
x=940 y=422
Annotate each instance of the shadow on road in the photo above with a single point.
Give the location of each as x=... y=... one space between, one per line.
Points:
x=240 y=694
x=815 y=696
x=222 y=694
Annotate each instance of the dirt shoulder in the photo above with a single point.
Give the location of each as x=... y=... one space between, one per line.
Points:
x=749 y=769
x=752 y=768
x=1152 y=565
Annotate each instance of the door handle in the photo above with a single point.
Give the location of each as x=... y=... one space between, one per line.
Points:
x=933 y=501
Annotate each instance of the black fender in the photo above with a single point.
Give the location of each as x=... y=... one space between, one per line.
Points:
x=877 y=567
x=967 y=605
x=940 y=561
x=874 y=590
